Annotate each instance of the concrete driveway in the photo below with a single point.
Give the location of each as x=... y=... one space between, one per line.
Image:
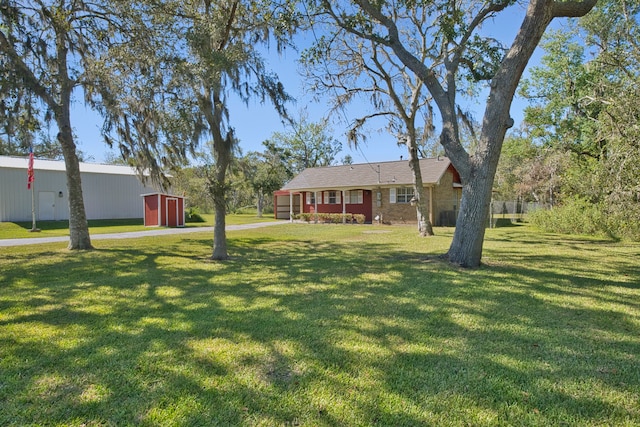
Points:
x=134 y=234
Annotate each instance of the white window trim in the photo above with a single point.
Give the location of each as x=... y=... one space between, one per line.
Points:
x=359 y=195
x=310 y=201
x=327 y=197
x=405 y=190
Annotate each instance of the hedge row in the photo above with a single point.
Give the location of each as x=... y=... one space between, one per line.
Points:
x=332 y=218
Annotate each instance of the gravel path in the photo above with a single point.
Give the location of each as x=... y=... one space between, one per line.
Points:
x=134 y=234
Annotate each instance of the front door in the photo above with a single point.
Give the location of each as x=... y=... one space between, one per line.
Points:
x=46 y=206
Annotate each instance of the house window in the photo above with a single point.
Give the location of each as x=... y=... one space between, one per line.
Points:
x=404 y=195
x=332 y=197
x=311 y=198
x=354 y=197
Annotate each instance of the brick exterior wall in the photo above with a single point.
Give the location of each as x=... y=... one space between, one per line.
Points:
x=392 y=212
x=446 y=200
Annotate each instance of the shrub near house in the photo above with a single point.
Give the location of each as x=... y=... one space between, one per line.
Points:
x=332 y=218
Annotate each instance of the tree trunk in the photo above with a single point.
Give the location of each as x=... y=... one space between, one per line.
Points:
x=477 y=170
x=222 y=149
x=219 y=232
x=54 y=83
x=466 y=247
x=424 y=225
x=79 y=238
x=212 y=107
x=260 y=203
x=422 y=212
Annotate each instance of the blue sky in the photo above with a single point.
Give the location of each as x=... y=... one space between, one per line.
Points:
x=255 y=123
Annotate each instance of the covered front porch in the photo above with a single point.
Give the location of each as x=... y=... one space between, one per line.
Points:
x=330 y=201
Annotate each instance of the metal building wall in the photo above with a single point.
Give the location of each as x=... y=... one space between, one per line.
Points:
x=15 y=198
x=105 y=196
x=113 y=196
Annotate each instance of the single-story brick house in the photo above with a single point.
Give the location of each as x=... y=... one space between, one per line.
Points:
x=381 y=191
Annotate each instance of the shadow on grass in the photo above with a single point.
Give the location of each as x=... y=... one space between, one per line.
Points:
x=93 y=223
x=316 y=332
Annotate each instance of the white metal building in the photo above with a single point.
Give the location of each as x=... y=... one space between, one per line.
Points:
x=109 y=191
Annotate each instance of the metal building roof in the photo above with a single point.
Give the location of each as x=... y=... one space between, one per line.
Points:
x=57 y=165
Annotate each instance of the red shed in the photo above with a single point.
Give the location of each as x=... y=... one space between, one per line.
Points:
x=163 y=210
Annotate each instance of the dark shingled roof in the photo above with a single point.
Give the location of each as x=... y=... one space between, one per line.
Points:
x=365 y=175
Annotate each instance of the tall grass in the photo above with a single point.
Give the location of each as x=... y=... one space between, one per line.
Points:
x=321 y=325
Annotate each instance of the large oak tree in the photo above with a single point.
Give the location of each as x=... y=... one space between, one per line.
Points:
x=175 y=82
x=457 y=49
x=45 y=46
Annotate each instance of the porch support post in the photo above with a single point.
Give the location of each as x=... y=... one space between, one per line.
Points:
x=315 y=205
x=290 y=206
x=344 y=208
x=431 y=205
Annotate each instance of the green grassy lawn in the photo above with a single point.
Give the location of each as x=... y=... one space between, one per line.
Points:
x=321 y=325
x=19 y=230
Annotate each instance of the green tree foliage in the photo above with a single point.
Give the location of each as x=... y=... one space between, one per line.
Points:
x=46 y=50
x=265 y=172
x=518 y=156
x=176 y=80
x=587 y=106
x=24 y=120
x=307 y=145
x=560 y=114
x=191 y=182
x=529 y=172
x=18 y=115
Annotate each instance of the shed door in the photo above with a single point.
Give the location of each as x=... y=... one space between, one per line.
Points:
x=151 y=210
x=172 y=212
x=46 y=206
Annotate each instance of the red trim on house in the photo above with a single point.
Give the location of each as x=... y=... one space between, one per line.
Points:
x=456 y=175
x=365 y=208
